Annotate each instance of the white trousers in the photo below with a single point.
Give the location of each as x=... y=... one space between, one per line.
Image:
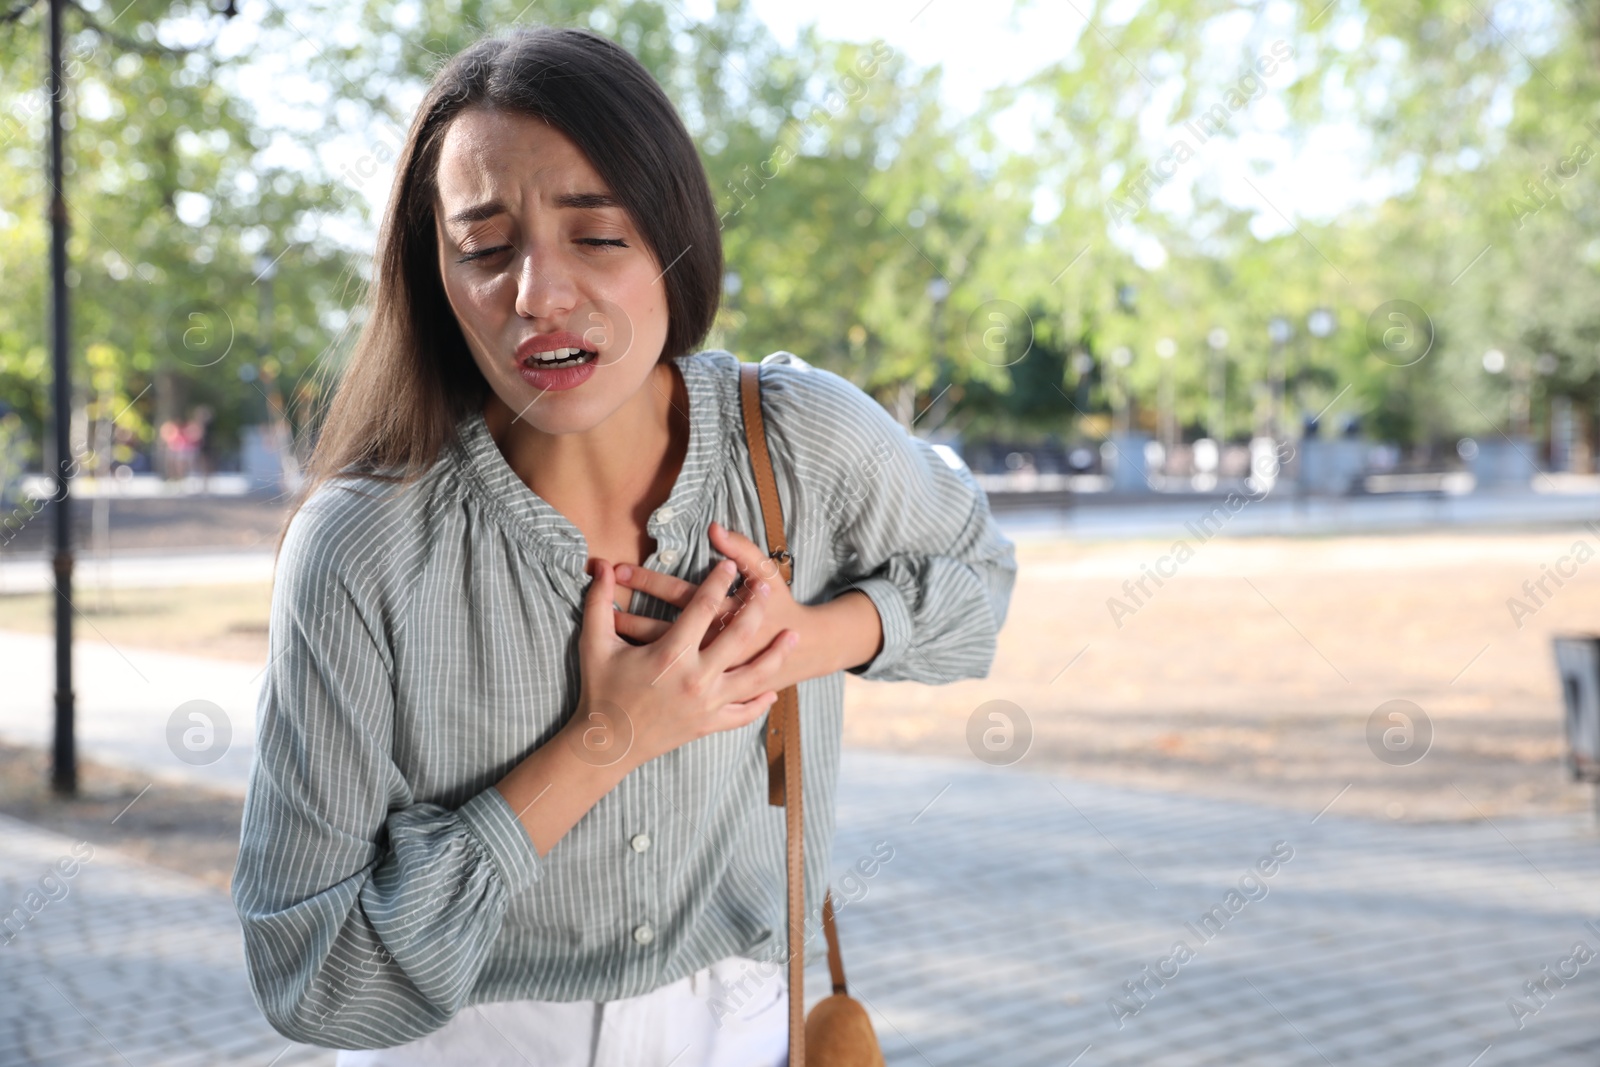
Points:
x=734 y=1013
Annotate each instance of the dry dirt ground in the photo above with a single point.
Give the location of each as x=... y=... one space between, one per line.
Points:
x=169 y=823
x=1252 y=673
x=215 y=621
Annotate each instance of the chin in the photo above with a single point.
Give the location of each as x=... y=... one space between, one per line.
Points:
x=560 y=412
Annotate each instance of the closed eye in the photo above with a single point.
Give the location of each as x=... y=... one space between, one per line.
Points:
x=613 y=242
x=470 y=256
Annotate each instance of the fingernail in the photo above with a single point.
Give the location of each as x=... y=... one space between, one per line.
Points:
x=726 y=566
x=762 y=588
x=793 y=638
x=624 y=572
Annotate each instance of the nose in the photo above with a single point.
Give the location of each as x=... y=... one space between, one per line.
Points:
x=545 y=287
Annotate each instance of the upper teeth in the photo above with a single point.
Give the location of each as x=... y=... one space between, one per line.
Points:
x=559 y=353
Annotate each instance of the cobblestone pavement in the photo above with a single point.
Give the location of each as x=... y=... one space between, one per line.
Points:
x=1017 y=905
x=1001 y=930
x=132 y=966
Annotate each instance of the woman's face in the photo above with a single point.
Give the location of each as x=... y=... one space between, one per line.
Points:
x=538 y=261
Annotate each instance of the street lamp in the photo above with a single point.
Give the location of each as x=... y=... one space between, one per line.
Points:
x=64 y=755
x=938 y=291
x=1082 y=365
x=1521 y=399
x=1494 y=362
x=1280 y=331
x=1166 y=348
x=1217 y=341
x=729 y=318
x=1121 y=358
x=1557 y=413
x=1321 y=324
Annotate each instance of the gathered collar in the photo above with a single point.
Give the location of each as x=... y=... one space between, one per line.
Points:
x=538 y=524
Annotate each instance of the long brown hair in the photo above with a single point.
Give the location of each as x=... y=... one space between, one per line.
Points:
x=411 y=377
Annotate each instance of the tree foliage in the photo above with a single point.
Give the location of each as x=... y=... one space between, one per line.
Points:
x=968 y=283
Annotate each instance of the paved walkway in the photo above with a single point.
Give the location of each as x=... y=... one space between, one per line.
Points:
x=137 y=570
x=126 y=699
x=1001 y=930
x=1283 y=514
x=1018 y=905
x=132 y=966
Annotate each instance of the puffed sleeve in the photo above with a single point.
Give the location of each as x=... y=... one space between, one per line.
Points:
x=904 y=522
x=366 y=916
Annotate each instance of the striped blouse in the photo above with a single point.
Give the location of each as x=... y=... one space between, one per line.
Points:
x=424 y=641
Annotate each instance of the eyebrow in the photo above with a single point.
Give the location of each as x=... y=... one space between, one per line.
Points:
x=490 y=208
x=587 y=200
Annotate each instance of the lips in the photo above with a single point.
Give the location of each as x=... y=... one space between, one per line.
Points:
x=554 y=350
x=556 y=362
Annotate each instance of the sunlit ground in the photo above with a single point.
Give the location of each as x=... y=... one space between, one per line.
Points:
x=1254 y=671
x=216 y=621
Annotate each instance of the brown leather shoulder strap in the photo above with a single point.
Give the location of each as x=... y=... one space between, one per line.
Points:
x=783 y=719
x=755 y=432
x=835 y=960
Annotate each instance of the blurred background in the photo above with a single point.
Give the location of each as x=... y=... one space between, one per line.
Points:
x=1270 y=329
x=1183 y=228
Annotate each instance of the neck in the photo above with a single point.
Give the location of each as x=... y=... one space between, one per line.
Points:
x=621 y=468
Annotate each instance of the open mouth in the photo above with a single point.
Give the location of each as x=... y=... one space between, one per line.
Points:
x=560 y=357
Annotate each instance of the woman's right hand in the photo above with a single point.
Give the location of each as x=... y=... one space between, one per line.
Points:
x=640 y=701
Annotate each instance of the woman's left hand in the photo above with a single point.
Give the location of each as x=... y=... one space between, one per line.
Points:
x=782 y=612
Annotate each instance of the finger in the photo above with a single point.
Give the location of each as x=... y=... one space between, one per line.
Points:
x=691 y=624
x=734 y=643
x=746 y=553
x=760 y=671
x=670 y=589
x=598 y=606
x=731 y=606
x=665 y=587
x=639 y=627
x=735 y=714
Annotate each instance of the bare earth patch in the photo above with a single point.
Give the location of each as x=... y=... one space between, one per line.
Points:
x=1253 y=671
x=171 y=824
x=213 y=621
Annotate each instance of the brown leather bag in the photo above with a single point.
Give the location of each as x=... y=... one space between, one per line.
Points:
x=838 y=1031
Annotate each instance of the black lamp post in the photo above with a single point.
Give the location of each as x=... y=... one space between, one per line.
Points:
x=1280 y=331
x=1217 y=341
x=64 y=759
x=64 y=754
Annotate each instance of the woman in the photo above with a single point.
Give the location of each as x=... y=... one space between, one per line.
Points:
x=500 y=813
